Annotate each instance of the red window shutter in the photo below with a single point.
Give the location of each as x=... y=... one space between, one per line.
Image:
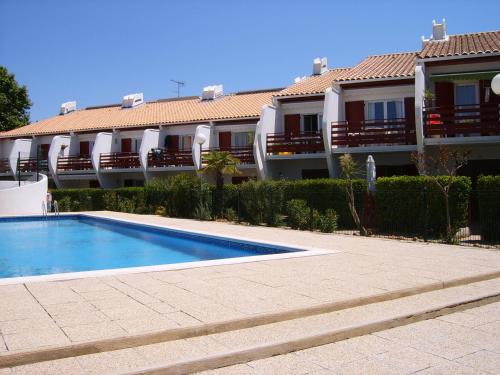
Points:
x=355 y=114
x=444 y=93
x=85 y=148
x=225 y=140
x=126 y=145
x=292 y=125
x=44 y=150
x=173 y=143
x=410 y=111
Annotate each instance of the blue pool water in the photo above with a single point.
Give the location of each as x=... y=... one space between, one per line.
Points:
x=38 y=246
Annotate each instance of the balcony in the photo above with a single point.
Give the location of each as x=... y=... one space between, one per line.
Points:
x=244 y=154
x=373 y=133
x=462 y=121
x=300 y=143
x=4 y=166
x=32 y=165
x=162 y=158
x=119 y=160
x=74 y=163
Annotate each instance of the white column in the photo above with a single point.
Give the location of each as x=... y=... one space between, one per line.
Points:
x=266 y=124
x=60 y=146
x=103 y=144
x=150 y=139
x=333 y=111
x=22 y=146
x=419 y=105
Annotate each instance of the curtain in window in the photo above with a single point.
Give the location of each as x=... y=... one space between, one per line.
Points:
x=376 y=111
x=394 y=110
x=243 y=139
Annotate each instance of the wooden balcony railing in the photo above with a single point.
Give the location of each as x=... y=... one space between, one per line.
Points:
x=74 y=163
x=119 y=160
x=464 y=120
x=244 y=154
x=164 y=158
x=33 y=165
x=373 y=133
x=301 y=143
x=4 y=165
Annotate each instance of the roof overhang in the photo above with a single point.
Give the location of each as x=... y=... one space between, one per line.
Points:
x=458 y=57
x=464 y=76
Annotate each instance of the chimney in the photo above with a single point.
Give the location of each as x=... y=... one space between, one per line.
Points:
x=212 y=92
x=320 y=65
x=132 y=100
x=439 y=30
x=67 y=108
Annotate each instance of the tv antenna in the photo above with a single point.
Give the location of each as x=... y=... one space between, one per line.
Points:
x=179 y=85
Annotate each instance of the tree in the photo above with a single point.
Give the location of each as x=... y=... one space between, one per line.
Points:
x=14 y=102
x=349 y=171
x=220 y=163
x=446 y=162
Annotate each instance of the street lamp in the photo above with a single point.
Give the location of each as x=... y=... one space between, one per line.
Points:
x=200 y=139
x=495 y=84
x=371 y=173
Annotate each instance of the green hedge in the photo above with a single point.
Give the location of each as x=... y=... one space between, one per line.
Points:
x=415 y=205
x=256 y=202
x=327 y=193
x=488 y=195
x=403 y=205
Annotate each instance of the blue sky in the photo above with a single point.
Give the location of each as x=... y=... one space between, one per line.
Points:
x=95 y=51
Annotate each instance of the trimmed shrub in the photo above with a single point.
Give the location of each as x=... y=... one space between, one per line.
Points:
x=327 y=193
x=327 y=222
x=262 y=202
x=414 y=205
x=80 y=199
x=298 y=214
x=488 y=195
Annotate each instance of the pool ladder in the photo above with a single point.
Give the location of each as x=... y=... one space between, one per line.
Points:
x=45 y=211
x=56 y=208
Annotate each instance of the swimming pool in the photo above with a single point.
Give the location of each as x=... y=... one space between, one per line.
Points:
x=75 y=243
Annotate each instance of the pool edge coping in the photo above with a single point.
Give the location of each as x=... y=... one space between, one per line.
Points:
x=302 y=251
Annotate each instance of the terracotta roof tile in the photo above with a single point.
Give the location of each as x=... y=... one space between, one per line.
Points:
x=393 y=65
x=462 y=45
x=187 y=110
x=313 y=84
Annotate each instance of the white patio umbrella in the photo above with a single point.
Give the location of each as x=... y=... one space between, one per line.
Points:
x=371 y=173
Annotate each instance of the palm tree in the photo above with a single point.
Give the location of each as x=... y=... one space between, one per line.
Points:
x=220 y=163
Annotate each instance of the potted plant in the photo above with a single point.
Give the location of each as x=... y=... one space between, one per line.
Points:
x=428 y=98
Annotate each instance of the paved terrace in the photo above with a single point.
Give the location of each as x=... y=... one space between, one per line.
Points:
x=45 y=314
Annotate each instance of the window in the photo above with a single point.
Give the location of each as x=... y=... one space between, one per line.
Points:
x=136 y=145
x=243 y=139
x=385 y=110
x=185 y=142
x=465 y=94
x=311 y=123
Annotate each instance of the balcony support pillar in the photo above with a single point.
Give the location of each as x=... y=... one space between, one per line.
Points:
x=266 y=125
x=419 y=105
x=150 y=139
x=60 y=146
x=103 y=144
x=333 y=111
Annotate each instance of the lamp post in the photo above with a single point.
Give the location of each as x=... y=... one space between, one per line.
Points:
x=371 y=174
x=200 y=139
